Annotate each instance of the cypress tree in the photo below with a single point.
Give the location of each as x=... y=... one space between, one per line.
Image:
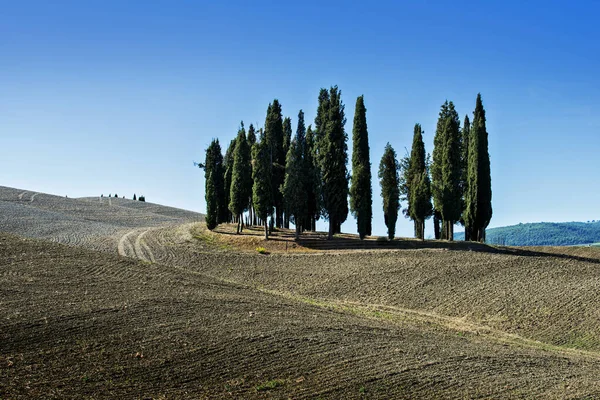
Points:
x=213 y=172
x=319 y=147
x=360 y=191
x=241 y=178
x=415 y=167
x=251 y=139
x=262 y=195
x=466 y=129
x=334 y=170
x=274 y=137
x=212 y=209
x=390 y=192
x=228 y=170
x=313 y=181
x=421 y=207
x=446 y=169
x=479 y=188
x=418 y=183
x=293 y=190
x=287 y=137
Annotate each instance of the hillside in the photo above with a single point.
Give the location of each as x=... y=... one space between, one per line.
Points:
x=543 y=234
x=189 y=313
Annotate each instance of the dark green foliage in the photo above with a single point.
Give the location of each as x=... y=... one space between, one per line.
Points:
x=413 y=169
x=294 y=194
x=287 y=134
x=274 y=137
x=544 y=234
x=478 y=210
x=465 y=137
x=334 y=160
x=134 y=197
x=213 y=171
x=287 y=137
x=420 y=198
x=212 y=209
x=116 y=195
x=313 y=181
x=228 y=170
x=446 y=169
x=241 y=178
x=142 y=198
x=251 y=137
x=360 y=190
x=262 y=195
x=390 y=193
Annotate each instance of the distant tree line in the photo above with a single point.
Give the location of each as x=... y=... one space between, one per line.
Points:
x=278 y=177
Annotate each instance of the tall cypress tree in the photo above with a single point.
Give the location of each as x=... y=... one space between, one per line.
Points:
x=262 y=195
x=251 y=139
x=241 y=178
x=294 y=193
x=361 y=193
x=446 y=169
x=313 y=181
x=334 y=170
x=287 y=137
x=274 y=137
x=465 y=135
x=390 y=193
x=228 y=170
x=418 y=183
x=478 y=212
x=214 y=185
x=416 y=165
x=212 y=209
x=421 y=207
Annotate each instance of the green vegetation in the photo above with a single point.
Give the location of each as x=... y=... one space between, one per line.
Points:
x=308 y=175
x=262 y=189
x=262 y=250
x=418 y=185
x=361 y=194
x=334 y=170
x=241 y=179
x=544 y=234
x=390 y=192
x=270 y=385
x=478 y=211
x=294 y=194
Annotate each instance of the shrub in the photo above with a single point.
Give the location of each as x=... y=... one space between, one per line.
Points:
x=142 y=198
x=262 y=250
x=135 y=198
x=382 y=239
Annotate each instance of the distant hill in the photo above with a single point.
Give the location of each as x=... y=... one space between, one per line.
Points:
x=543 y=234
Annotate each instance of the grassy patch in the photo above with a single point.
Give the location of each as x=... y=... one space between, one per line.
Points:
x=272 y=384
x=262 y=250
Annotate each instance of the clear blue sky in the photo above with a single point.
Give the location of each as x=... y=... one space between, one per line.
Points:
x=121 y=96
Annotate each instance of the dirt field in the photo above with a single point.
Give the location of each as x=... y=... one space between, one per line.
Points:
x=142 y=302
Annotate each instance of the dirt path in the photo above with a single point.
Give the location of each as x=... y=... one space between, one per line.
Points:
x=132 y=244
x=21 y=195
x=33 y=197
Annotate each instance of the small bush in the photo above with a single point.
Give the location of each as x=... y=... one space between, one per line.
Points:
x=270 y=385
x=262 y=250
x=142 y=198
x=382 y=239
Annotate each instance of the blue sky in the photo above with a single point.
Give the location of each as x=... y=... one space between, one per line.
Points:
x=112 y=96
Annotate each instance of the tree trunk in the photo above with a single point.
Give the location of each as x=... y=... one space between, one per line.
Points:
x=436 y=225
x=266 y=230
x=332 y=226
x=298 y=227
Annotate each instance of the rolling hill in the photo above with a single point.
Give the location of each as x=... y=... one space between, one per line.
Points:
x=543 y=234
x=140 y=300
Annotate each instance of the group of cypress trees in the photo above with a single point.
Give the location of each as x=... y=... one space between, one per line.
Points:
x=279 y=178
x=458 y=178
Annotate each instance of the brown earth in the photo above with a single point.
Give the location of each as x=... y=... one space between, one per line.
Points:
x=170 y=310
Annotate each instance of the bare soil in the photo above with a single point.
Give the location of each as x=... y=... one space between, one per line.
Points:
x=155 y=306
